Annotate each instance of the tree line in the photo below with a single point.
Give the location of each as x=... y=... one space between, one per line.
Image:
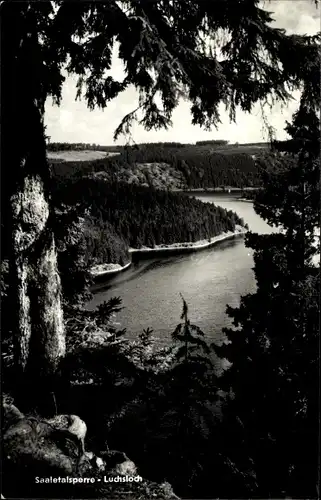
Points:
x=217 y=142
x=80 y=146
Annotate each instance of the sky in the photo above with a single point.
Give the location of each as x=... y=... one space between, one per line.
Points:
x=73 y=122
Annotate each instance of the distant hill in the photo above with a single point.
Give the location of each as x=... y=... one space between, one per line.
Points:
x=172 y=166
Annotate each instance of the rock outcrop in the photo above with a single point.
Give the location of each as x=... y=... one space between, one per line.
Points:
x=49 y=458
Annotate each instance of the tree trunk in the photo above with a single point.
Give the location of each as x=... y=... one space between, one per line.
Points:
x=36 y=318
x=35 y=289
x=39 y=331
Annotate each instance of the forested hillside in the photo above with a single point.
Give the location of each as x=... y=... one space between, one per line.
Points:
x=171 y=165
x=129 y=199
x=123 y=215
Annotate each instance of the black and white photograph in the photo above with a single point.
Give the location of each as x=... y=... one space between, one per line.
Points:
x=160 y=249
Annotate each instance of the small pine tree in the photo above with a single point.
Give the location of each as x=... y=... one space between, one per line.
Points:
x=191 y=394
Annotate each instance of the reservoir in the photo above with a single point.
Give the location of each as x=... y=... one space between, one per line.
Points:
x=209 y=280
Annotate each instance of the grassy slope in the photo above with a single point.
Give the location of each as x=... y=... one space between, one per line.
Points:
x=86 y=155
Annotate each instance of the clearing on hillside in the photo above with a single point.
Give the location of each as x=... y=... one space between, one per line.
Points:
x=85 y=155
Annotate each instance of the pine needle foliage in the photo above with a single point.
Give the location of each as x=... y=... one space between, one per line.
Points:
x=274 y=347
x=207 y=52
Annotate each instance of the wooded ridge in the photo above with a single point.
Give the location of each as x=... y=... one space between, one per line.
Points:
x=170 y=165
x=119 y=216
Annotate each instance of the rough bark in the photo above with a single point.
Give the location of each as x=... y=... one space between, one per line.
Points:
x=40 y=341
x=36 y=318
x=35 y=289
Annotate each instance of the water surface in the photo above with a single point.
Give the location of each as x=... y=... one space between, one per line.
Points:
x=208 y=280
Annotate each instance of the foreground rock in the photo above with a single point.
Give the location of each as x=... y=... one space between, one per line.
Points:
x=47 y=459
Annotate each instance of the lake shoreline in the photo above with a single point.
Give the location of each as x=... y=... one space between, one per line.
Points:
x=188 y=247
x=103 y=271
x=227 y=190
